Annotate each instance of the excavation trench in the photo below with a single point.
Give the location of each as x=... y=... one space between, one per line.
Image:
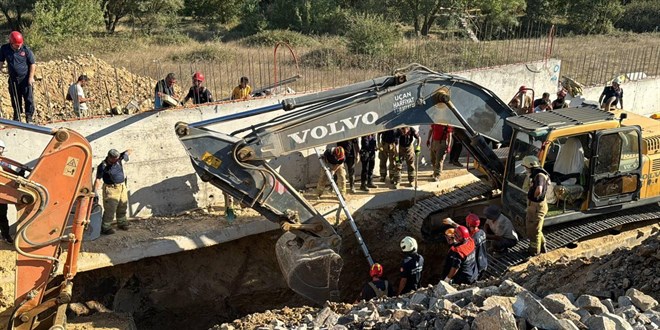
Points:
x=208 y=286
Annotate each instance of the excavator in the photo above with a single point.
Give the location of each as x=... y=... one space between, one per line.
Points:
x=603 y=163
x=44 y=194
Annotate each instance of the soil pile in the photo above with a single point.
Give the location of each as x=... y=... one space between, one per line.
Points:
x=116 y=90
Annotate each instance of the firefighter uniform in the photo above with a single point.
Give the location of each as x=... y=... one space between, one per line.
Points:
x=537 y=208
x=407 y=151
x=388 y=153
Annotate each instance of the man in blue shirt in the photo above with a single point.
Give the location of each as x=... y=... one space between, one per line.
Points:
x=110 y=174
x=411 y=266
x=21 y=65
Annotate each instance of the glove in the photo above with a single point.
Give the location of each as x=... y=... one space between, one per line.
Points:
x=449 y=222
x=418 y=149
x=447 y=280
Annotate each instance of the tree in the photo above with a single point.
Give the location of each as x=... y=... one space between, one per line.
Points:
x=593 y=16
x=13 y=11
x=151 y=15
x=58 y=19
x=221 y=11
x=115 y=10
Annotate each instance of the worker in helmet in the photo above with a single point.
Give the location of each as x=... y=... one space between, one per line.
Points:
x=611 y=95
x=560 y=101
x=377 y=287
x=243 y=91
x=164 y=88
x=198 y=93
x=411 y=267
x=479 y=237
x=537 y=207
x=334 y=159
x=499 y=230
x=461 y=263
x=21 y=66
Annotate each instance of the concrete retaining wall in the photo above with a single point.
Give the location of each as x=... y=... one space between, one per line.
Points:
x=160 y=178
x=641 y=96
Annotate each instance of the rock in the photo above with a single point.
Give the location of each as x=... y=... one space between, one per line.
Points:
x=97 y=306
x=398 y=314
x=394 y=326
x=419 y=299
x=226 y=326
x=456 y=324
x=625 y=283
x=494 y=318
x=565 y=324
x=443 y=288
x=276 y=323
x=627 y=312
x=338 y=327
x=574 y=317
x=641 y=300
x=326 y=317
x=505 y=302
x=608 y=304
x=463 y=294
x=621 y=324
x=600 y=323
x=536 y=314
x=653 y=316
x=557 y=303
x=624 y=301
x=591 y=304
x=510 y=288
x=79 y=309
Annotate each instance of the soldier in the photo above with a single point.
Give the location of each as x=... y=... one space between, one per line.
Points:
x=387 y=145
x=409 y=146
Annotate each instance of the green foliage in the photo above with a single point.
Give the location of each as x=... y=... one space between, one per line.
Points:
x=371 y=35
x=641 y=16
x=173 y=37
x=206 y=53
x=500 y=13
x=593 y=16
x=154 y=15
x=306 y=16
x=269 y=38
x=55 y=20
x=253 y=19
x=13 y=11
x=221 y=11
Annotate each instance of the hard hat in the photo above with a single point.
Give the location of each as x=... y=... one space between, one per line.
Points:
x=376 y=270
x=16 y=38
x=450 y=232
x=655 y=116
x=616 y=80
x=113 y=153
x=2 y=144
x=531 y=161
x=198 y=76
x=522 y=88
x=338 y=152
x=472 y=220
x=462 y=232
x=408 y=244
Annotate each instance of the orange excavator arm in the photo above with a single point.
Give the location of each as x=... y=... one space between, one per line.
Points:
x=59 y=181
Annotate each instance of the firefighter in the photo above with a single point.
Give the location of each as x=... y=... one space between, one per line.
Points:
x=479 y=236
x=461 y=264
x=411 y=267
x=408 y=147
x=334 y=159
x=387 y=147
x=377 y=287
x=352 y=150
x=537 y=207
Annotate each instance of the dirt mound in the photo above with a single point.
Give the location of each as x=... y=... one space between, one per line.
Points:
x=112 y=87
x=606 y=277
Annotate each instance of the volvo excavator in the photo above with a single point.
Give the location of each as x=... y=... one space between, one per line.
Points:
x=44 y=194
x=608 y=183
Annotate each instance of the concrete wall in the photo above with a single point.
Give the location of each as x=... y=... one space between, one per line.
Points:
x=160 y=178
x=641 y=96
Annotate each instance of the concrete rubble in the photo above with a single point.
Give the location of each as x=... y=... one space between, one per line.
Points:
x=507 y=306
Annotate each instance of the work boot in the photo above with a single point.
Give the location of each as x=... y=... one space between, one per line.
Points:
x=108 y=231
x=123 y=226
x=457 y=163
x=383 y=178
x=363 y=187
x=353 y=190
x=8 y=239
x=370 y=184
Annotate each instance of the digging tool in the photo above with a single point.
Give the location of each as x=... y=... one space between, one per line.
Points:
x=107 y=94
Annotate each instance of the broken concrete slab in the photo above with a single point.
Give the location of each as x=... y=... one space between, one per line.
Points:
x=494 y=318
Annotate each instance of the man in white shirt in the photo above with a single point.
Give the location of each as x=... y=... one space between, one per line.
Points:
x=499 y=230
x=77 y=96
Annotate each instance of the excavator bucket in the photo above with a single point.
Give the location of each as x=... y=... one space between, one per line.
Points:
x=313 y=274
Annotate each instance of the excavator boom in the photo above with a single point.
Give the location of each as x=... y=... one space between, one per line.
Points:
x=235 y=161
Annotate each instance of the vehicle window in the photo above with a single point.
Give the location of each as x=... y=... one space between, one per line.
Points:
x=523 y=145
x=618 y=152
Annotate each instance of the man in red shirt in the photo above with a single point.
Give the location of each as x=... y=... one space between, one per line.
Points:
x=439 y=140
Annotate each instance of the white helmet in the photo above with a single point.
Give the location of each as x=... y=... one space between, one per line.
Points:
x=617 y=81
x=531 y=161
x=2 y=144
x=408 y=244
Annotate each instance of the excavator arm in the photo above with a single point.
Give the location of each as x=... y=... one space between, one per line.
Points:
x=236 y=161
x=59 y=181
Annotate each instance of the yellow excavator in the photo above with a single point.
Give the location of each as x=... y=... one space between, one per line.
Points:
x=603 y=164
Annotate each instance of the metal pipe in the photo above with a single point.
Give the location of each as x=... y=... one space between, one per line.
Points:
x=240 y=115
x=28 y=127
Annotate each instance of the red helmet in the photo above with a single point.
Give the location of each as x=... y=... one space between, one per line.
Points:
x=522 y=89
x=462 y=232
x=16 y=38
x=198 y=76
x=376 y=270
x=338 y=152
x=472 y=220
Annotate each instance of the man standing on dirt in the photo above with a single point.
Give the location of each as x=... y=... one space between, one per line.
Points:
x=537 y=207
x=377 y=287
x=352 y=150
x=164 y=87
x=110 y=174
x=243 y=91
x=409 y=142
x=198 y=93
x=387 y=147
x=368 y=158
x=77 y=96
x=411 y=267
x=439 y=140
x=503 y=235
x=21 y=65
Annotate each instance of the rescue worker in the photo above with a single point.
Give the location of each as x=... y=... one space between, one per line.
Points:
x=110 y=174
x=198 y=93
x=352 y=150
x=439 y=141
x=503 y=234
x=243 y=91
x=545 y=97
x=334 y=160
x=461 y=263
x=377 y=287
x=411 y=267
x=479 y=236
x=368 y=158
x=611 y=95
x=560 y=101
x=76 y=95
x=537 y=207
x=164 y=87
x=387 y=145
x=521 y=102
x=455 y=153
x=409 y=142
x=21 y=66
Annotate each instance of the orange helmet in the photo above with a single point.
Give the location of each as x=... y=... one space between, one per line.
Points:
x=376 y=270
x=462 y=232
x=16 y=38
x=198 y=76
x=472 y=220
x=338 y=152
